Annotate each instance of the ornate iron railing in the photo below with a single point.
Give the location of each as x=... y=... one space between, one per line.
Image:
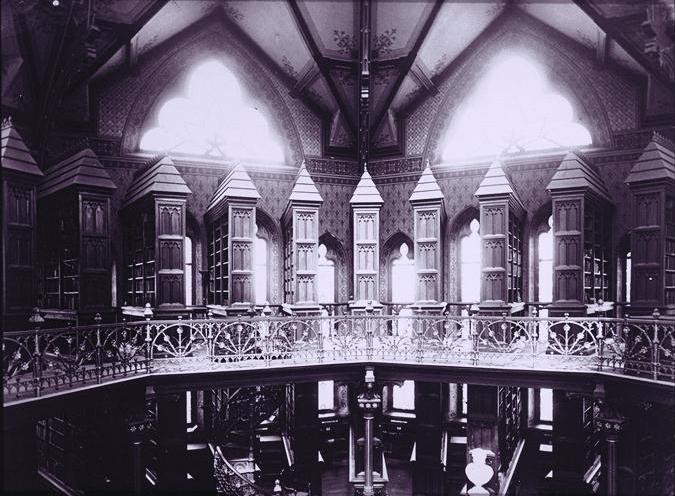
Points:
x=35 y=362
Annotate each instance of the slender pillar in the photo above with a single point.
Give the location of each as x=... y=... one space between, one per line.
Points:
x=610 y=424
x=429 y=217
x=366 y=203
x=581 y=237
x=231 y=216
x=301 y=232
x=652 y=183
x=138 y=427
x=369 y=402
x=501 y=214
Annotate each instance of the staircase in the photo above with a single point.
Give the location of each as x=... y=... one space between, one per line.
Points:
x=536 y=463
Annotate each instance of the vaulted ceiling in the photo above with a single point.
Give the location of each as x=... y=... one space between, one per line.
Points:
x=52 y=49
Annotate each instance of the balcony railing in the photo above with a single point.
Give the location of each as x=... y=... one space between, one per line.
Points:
x=42 y=361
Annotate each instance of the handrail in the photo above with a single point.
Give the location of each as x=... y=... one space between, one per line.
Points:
x=505 y=487
x=244 y=483
x=56 y=359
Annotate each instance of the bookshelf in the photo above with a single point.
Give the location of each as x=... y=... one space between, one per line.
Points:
x=218 y=257
x=514 y=262
x=140 y=268
x=670 y=250
x=597 y=259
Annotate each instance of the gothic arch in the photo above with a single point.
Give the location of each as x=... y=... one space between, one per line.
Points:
x=521 y=33
x=336 y=253
x=271 y=232
x=186 y=51
x=388 y=253
x=458 y=228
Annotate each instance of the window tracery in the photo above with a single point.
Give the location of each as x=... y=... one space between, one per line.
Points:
x=213 y=117
x=513 y=109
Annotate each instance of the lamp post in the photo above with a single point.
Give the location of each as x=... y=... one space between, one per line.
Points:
x=369 y=402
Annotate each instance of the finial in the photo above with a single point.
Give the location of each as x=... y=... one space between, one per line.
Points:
x=7 y=121
x=147 y=313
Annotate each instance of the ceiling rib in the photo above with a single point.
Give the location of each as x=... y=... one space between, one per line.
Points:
x=320 y=60
x=407 y=63
x=121 y=40
x=616 y=34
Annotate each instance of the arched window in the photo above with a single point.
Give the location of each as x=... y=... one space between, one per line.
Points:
x=325 y=276
x=403 y=276
x=403 y=397
x=213 y=117
x=470 y=264
x=326 y=395
x=513 y=109
x=261 y=275
x=188 y=274
x=545 y=263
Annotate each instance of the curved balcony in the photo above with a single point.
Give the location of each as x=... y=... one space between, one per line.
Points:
x=42 y=362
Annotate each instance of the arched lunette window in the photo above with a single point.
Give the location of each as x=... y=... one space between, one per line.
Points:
x=513 y=109
x=213 y=117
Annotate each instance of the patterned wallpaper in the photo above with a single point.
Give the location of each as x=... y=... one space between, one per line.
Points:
x=607 y=100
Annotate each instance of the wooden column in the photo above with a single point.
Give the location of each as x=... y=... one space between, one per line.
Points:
x=172 y=439
x=159 y=197
x=581 y=237
x=301 y=231
x=427 y=475
x=20 y=175
x=501 y=214
x=366 y=203
x=652 y=183
x=568 y=443
x=233 y=209
x=305 y=430
x=429 y=218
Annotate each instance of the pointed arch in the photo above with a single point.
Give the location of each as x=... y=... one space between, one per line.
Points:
x=391 y=251
x=270 y=232
x=336 y=253
x=458 y=227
